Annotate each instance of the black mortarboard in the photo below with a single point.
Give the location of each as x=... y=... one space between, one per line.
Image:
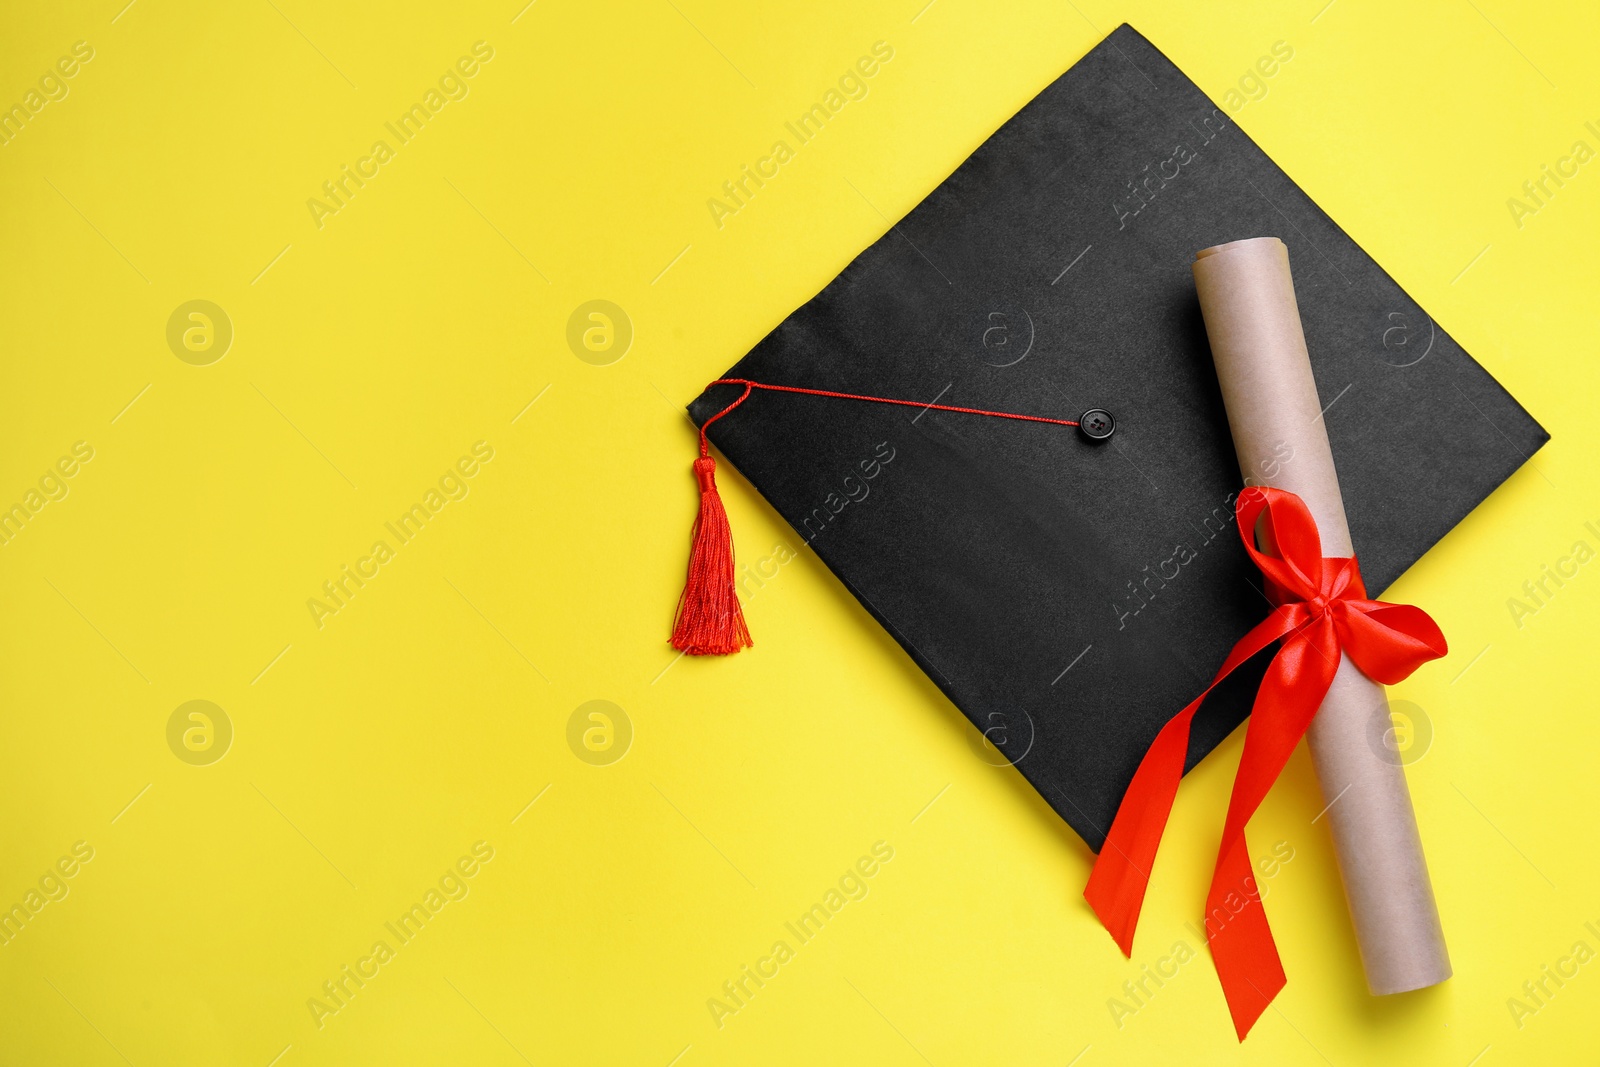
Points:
x=1070 y=596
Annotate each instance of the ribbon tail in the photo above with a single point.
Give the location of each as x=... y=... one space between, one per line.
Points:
x=1242 y=948
x=1121 y=873
x=1236 y=925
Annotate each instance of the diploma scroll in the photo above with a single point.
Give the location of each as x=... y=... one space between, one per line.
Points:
x=1276 y=416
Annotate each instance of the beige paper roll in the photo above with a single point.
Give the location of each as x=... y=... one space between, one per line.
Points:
x=1253 y=321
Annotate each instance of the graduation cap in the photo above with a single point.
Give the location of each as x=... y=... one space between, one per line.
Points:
x=1069 y=569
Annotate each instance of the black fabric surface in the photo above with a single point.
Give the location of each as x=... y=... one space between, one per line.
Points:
x=999 y=553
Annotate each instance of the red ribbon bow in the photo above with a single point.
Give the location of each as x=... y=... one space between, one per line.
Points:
x=1322 y=610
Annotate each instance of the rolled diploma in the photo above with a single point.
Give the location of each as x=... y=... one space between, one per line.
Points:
x=1253 y=321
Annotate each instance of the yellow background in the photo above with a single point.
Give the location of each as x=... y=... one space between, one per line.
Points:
x=369 y=354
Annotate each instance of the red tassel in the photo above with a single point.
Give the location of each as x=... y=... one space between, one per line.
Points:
x=710 y=620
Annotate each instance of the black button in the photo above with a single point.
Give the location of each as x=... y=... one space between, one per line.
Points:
x=1096 y=424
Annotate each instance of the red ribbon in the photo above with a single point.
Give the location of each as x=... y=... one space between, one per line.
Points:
x=1322 y=610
